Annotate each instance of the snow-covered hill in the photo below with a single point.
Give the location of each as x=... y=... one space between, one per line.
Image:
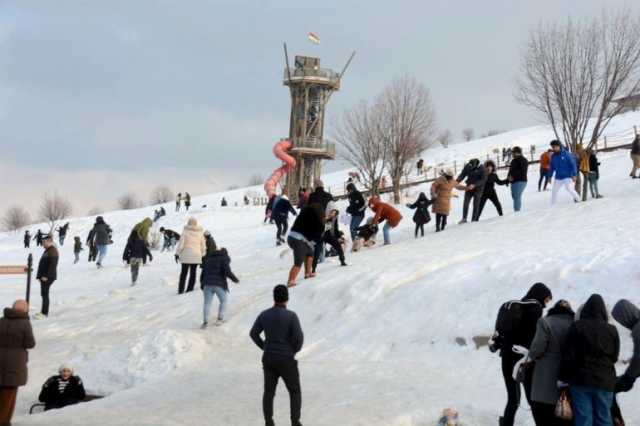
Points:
x=380 y=334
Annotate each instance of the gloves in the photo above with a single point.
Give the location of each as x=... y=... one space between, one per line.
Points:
x=624 y=383
x=177 y=258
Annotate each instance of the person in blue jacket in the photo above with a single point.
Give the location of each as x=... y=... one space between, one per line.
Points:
x=564 y=172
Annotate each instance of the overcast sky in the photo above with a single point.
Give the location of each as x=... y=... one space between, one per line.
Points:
x=100 y=97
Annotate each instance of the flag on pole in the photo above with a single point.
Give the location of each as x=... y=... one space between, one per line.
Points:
x=314 y=38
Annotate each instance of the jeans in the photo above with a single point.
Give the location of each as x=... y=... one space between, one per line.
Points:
x=353 y=226
x=568 y=186
x=585 y=184
x=517 y=189
x=333 y=242
x=44 y=292
x=275 y=367
x=544 y=176
x=591 y=406
x=385 y=232
x=223 y=296
x=135 y=263
x=593 y=184
x=513 y=388
x=190 y=269
x=318 y=252
x=62 y=237
x=102 y=253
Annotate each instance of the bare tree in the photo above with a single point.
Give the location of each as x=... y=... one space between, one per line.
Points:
x=445 y=138
x=53 y=208
x=358 y=134
x=15 y=218
x=468 y=134
x=256 y=180
x=574 y=71
x=161 y=194
x=492 y=132
x=128 y=201
x=408 y=126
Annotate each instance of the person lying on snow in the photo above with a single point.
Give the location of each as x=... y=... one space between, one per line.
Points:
x=366 y=235
x=62 y=390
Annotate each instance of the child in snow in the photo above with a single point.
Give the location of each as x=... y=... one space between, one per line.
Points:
x=62 y=390
x=213 y=280
x=366 y=235
x=77 y=248
x=134 y=254
x=441 y=196
x=421 y=217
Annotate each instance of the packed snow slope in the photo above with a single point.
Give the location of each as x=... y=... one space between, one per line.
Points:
x=381 y=334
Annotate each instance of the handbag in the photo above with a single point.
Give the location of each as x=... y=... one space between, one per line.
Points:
x=563 y=406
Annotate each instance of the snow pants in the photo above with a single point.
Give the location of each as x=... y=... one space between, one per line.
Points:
x=275 y=367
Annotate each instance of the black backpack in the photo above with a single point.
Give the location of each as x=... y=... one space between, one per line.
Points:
x=508 y=321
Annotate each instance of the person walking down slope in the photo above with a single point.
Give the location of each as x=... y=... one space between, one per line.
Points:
x=178 y=201
x=563 y=170
x=421 y=217
x=27 y=239
x=441 y=195
x=517 y=177
x=77 y=248
x=385 y=212
x=584 y=167
x=546 y=354
x=305 y=232
x=62 y=390
x=628 y=315
x=476 y=177
x=545 y=170
x=62 y=233
x=47 y=272
x=190 y=251
x=490 y=188
x=280 y=215
x=594 y=174
x=357 y=208
x=134 y=254
x=101 y=239
x=635 y=156
x=588 y=364
x=213 y=280
x=283 y=340
x=516 y=326
x=16 y=337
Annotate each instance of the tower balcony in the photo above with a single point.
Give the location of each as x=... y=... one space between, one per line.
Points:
x=313 y=147
x=312 y=75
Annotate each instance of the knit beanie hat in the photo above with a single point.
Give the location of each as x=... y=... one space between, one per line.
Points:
x=65 y=366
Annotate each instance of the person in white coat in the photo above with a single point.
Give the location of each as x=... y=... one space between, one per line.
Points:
x=190 y=251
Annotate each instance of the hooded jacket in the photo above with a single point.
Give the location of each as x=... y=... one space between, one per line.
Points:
x=563 y=165
x=384 y=211
x=192 y=246
x=16 y=336
x=421 y=206
x=321 y=197
x=216 y=269
x=583 y=159
x=282 y=208
x=310 y=223
x=441 y=194
x=143 y=228
x=475 y=173
x=591 y=349
x=357 y=205
x=101 y=232
x=628 y=315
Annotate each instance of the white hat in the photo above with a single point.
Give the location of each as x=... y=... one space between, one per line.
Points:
x=65 y=366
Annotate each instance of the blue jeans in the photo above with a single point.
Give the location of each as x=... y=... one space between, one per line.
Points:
x=591 y=406
x=102 y=253
x=385 y=232
x=223 y=297
x=353 y=227
x=517 y=188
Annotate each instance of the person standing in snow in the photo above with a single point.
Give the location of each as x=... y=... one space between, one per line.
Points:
x=476 y=177
x=628 y=315
x=421 y=217
x=516 y=326
x=490 y=188
x=564 y=172
x=135 y=252
x=38 y=237
x=546 y=354
x=517 y=177
x=588 y=364
x=331 y=236
x=585 y=169
x=419 y=166
x=47 y=272
x=321 y=198
x=27 y=239
x=224 y=203
x=16 y=338
x=178 y=201
x=190 y=251
x=635 y=156
x=385 y=212
x=441 y=195
x=356 y=209
x=269 y=208
x=594 y=174
x=101 y=239
x=62 y=233
x=283 y=340
x=545 y=170
x=187 y=200
x=77 y=248
x=93 y=249
x=280 y=215
x=62 y=390
x=213 y=281
x=306 y=231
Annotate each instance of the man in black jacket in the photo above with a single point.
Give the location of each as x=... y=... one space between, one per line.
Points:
x=170 y=237
x=280 y=215
x=283 y=339
x=47 y=271
x=306 y=231
x=490 y=188
x=357 y=207
x=517 y=177
x=320 y=196
x=476 y=177
x=62 y=390
x=27 y=239
x=628 y=315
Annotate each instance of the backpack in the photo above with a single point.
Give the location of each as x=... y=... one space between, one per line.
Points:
x=508 y=321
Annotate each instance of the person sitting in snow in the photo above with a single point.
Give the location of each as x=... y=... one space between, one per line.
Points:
x=366 y=235
x=62 y=390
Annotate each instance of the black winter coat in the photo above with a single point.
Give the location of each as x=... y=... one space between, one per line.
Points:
x=357 y=205
x=309 y=223
x=492 y=180
x=321 y=197
x=216 y=269
x=635 y=146
x=101 y=234
x=136 y=249
x=168 y=233
x=518 y=170
x=73 y=393
x=282 y=209
x=594 y=165
x=48 y=265
x=476 y=176
x=592 y=348
x=283 y=334
x=421 y=206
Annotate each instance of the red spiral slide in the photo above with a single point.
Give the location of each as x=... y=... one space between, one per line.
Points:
x=280 y=151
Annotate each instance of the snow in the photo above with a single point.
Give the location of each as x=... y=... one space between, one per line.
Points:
x=380 y=334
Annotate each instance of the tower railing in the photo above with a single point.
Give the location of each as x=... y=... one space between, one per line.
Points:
x=317 y=73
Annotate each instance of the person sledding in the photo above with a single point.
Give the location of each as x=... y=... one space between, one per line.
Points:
x=62 y=390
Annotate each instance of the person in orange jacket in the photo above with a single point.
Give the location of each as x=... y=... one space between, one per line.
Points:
x=384 y=213
x=545 y=170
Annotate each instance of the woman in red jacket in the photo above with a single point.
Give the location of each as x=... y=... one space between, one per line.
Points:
x=384 y=212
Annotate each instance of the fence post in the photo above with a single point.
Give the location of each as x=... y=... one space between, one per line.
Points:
x=29 y=270
x=455 y=167
x=605 y=142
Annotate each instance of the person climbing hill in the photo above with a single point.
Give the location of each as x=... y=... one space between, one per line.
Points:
x=190 y=251
x=280 y=215
x=143 y=228
x=134 y=254
x=490 y=188
x=305 y=233
x=213 y=281
x=421 y=217
x=357 y=208
x=441 y=193
x=476 y=177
